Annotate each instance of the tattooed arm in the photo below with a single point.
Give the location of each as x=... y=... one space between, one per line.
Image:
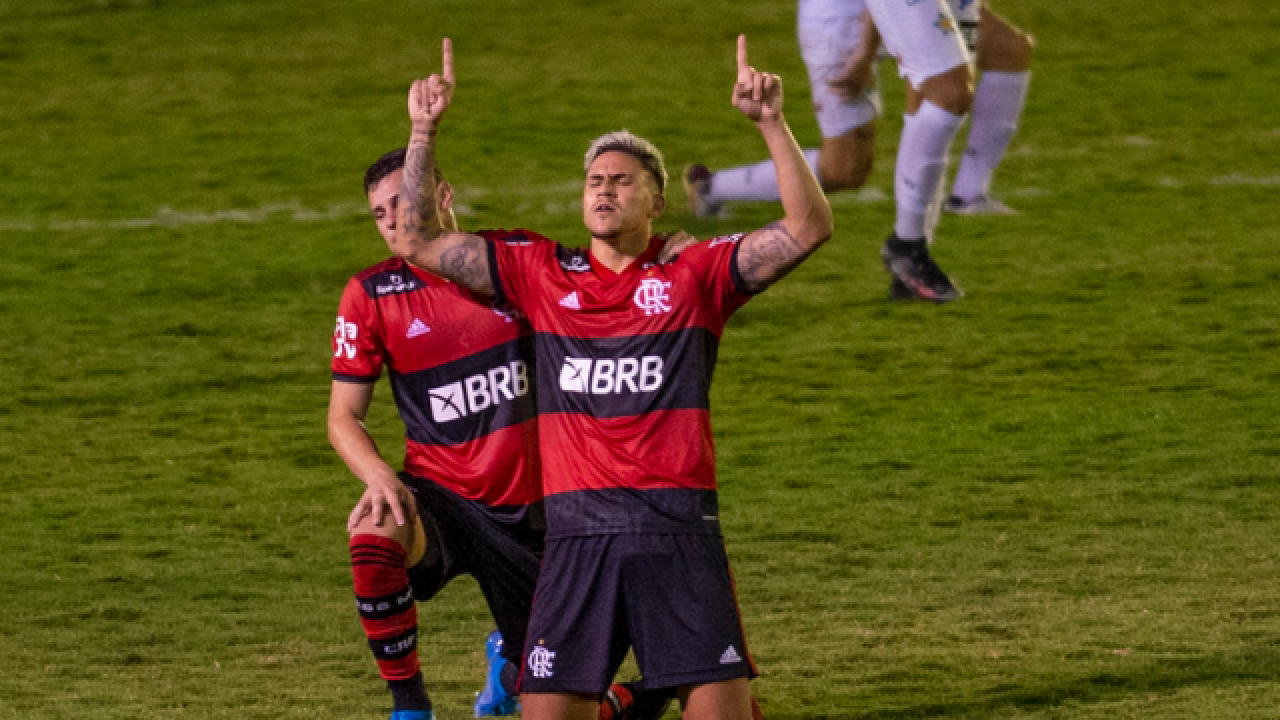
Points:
x=769 y=253
x=424 y=237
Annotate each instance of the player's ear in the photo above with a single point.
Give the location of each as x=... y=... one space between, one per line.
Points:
x=659 y=205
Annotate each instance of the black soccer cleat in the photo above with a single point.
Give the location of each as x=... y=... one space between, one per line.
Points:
x=915 y=274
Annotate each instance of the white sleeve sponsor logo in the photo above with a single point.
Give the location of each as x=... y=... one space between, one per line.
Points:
x=726 y=239
x=478 y=393
x=344 y=339
x=609 y=376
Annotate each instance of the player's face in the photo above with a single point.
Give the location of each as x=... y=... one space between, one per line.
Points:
x=620 y=197
x=384 y=198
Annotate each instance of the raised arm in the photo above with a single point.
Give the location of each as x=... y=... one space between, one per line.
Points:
x=768 y=254
x=422 y=236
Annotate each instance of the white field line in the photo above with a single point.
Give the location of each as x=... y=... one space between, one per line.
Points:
x=1239 y=179
x=295 y=211
x=553 y=199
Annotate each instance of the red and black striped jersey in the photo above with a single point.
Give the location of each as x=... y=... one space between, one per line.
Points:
x=624 y=376
x=461 y=369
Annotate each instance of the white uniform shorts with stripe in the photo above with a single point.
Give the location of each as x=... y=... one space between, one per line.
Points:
x=922 y=35
x=829 y=34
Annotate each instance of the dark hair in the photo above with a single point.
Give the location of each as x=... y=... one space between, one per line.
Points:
x=386 y=165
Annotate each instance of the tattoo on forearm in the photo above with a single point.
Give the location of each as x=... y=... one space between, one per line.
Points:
x=767 y=255
x=417 y=209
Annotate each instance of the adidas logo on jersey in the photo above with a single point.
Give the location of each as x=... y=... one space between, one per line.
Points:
x=571 y=301
x=417 y=328
x=503 y=383
x=730 y=656
x=609 y=376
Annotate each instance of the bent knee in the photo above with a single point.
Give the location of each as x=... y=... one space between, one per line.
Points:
x=846 y=177
x=388 y=528
x=845 y=161
x=952 y=91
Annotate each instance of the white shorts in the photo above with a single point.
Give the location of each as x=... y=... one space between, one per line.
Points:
x=829 y=33
x=921 y=35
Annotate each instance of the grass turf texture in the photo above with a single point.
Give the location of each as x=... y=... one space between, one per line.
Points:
x=1053 y=499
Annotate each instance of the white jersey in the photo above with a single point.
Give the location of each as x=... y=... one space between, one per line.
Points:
x=830 y=32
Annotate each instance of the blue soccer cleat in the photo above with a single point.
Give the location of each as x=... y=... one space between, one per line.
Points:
x=494 y=701
x=413 y=715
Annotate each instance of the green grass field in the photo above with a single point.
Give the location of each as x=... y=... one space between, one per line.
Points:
x=1056 y=498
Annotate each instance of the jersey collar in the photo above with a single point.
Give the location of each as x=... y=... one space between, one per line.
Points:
x=647 y=257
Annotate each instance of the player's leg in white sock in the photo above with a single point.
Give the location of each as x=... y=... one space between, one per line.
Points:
x=1004 y=57
x=997 y=105
x=752 y=183
x=922 y=161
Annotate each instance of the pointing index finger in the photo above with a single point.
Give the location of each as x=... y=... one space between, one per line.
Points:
x=446 y=49
x=742 y=53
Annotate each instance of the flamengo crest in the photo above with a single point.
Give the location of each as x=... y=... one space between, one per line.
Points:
x=652 y=296
x=541 y=662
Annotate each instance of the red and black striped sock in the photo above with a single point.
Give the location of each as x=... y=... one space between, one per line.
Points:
x=389 y=616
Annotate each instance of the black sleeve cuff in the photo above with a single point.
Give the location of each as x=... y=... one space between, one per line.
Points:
x=495 y=277
x=736 y=275
x=358 y=379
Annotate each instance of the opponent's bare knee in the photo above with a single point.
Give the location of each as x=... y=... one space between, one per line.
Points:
x=951 y=91
x=846 y=161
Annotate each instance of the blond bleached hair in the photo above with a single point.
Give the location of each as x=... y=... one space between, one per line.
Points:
x=625 y=141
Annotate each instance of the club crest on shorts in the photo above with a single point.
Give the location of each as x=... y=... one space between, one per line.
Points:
x=541 y=662
x=652 y=296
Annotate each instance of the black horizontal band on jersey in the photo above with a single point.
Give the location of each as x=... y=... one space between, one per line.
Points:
x=475 y=393
x=664 y=510
x=613 y=386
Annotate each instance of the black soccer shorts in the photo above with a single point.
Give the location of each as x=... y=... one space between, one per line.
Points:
x=500 y=547
x=669 y=597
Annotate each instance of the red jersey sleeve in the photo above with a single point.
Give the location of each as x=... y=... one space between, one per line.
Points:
x=358 y=350
x=716 y=264
x=517 y=262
